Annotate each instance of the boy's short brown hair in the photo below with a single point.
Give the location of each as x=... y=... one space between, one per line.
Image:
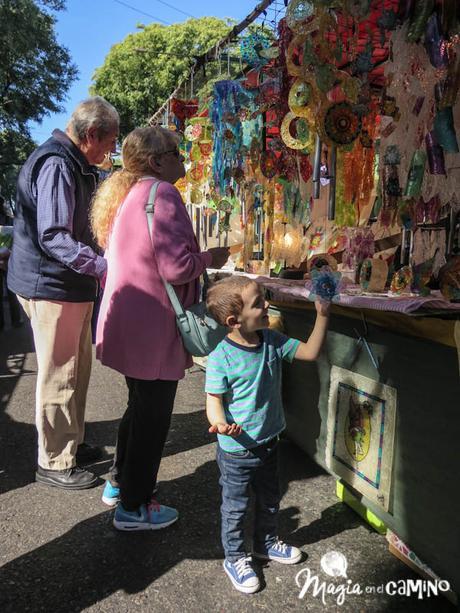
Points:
x=224 y=298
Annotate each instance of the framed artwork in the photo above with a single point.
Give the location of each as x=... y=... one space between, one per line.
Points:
x=360 y=433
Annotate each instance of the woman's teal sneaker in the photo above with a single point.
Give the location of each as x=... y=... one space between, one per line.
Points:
x=152 y=516
x=110 y=495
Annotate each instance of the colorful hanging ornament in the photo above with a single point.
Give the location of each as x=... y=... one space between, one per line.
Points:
x=302 y=99
x=434 y=43
x=299 y=11
x=305 y=137
x=445 y=130
x=306 y=169
x=195 y=153
x=321 y=260
x=401 y=281
x=268 y=164
x=325 y=284
x=196 y=196
x=435 y=154
x=183 y=110
x=421 y=12
x=421 y=275
x=451 y=85
x=449 y=280
x=373 y=275
x=195 y=173
x=205 y=147
x=250 y=47
x=416 y=172
x=294 y=56
x=193 y=132
x=342 y=125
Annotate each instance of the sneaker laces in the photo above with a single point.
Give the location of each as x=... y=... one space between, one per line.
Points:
x=154 y=506
x=280 y=546
x=243 y=567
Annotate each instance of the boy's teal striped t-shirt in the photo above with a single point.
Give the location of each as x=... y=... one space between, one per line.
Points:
x=249 y=379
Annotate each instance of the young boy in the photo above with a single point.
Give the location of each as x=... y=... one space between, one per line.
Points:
x=244 y=408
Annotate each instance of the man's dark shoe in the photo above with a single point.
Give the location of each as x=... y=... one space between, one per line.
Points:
x=70 y=479
x=88 y=453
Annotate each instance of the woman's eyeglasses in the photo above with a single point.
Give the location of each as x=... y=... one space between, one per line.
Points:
x=174 y=151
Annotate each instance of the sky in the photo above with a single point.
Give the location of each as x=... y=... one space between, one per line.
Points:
x=89 y=28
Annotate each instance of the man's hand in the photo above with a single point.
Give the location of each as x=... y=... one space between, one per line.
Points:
x=227 y=429
x=219 y=256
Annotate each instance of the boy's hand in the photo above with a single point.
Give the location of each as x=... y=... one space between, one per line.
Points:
x=322 y=307
x=227 y=429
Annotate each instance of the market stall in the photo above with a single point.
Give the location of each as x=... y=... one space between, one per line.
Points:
x=331 y=166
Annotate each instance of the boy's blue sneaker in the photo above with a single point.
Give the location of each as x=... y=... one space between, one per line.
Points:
x=152 y=516
x=111 y=494
x=242 y=575
x=280 y=552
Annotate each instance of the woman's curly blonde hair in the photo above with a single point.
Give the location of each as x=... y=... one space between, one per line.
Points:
x=137 y=149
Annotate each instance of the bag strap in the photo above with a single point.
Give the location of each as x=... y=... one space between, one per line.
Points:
x=175 y=302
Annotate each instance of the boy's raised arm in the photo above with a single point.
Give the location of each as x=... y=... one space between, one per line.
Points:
x=310 y=350
x=216 y=417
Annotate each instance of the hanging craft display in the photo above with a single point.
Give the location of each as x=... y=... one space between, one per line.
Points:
x=373 y=275
x=342 y=124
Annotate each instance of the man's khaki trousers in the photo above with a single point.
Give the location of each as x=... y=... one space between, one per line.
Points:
x=62 y=335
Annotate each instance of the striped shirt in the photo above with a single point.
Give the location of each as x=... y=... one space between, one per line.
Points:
x=249 y=379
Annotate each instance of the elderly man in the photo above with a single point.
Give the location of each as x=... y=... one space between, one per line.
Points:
x=54 y=269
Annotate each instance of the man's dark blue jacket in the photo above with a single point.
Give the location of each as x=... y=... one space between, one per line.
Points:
x=31 y=272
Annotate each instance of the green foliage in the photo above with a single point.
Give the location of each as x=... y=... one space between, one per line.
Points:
x=35 y=74
x=140 y=73
x=15 y=147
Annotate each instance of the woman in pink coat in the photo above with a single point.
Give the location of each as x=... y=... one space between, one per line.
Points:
x=136 y=331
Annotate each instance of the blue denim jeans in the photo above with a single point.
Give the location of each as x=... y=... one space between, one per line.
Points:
x=240 y=471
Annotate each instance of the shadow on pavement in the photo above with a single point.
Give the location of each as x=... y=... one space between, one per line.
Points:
x=92 y=560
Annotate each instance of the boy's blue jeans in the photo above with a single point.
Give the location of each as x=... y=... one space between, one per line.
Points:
x=256 y=468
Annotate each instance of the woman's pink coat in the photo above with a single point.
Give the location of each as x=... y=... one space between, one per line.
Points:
x=136 y=331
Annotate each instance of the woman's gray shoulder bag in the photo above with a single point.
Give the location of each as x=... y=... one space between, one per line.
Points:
x=200 y=332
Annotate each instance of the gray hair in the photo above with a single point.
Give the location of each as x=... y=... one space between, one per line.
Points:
x=93 y=112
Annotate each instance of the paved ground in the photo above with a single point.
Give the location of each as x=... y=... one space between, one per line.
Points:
x=59 y=551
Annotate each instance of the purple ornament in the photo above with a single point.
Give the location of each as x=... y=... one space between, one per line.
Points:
x=434 y=43
x=435 y=155
x=418 y=105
